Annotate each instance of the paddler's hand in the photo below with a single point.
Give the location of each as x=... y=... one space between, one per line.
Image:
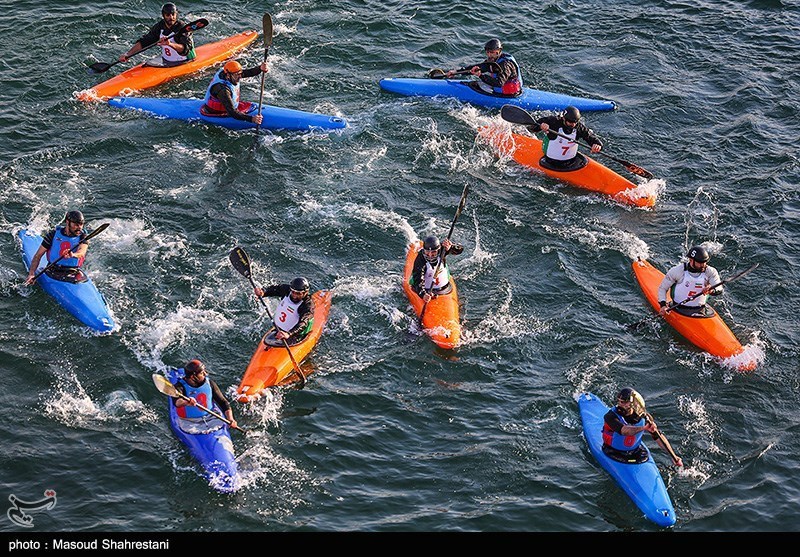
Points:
x=678 y=462
x=426 y=297
x=30 y=279
x=263 y=67
x=123 y=58
x=259 y=292
x=447 y=244
x=66 y=253
x=192 y=401
x=257 y=119
x=475 y=70
x=451 y=73
x=543 y=127
x=596 y=148
x=663 y=310
x=281 y=335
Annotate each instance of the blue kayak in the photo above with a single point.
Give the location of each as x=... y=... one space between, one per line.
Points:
x=81 y=299
x=275 y=118
x=642 y=482
x=209 y=443
x=530 y=99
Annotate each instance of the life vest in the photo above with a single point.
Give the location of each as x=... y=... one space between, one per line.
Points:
x=287 y=315
x=442 y=279
x=213 y=102
x=560 y=148
x=201 y=394
x=514 y=85
x=169 y=54
x=689 y=285
x=62 y=242
x=622 y=442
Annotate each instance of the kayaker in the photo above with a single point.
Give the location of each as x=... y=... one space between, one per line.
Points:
x=222 y=95
x=624 y=425
x=175 y=50
x=294 y=316
x=65 y=242
x=196 y=385
x=687 y=279
x=499 y=74
x=560 y=146
x=430 y=276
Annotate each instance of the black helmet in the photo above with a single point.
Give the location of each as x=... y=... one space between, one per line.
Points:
x=493 y=44
x=75 y=216
x=699 y=254
x=193 y=368
x=626 y=394
x=300 y=284
x=169 y=8
x=572 y=114
x=431 y=242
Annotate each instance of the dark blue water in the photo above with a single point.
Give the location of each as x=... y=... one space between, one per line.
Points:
x=391 y=434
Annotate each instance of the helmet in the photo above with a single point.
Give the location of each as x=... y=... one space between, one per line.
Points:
x=699 y=254
x=572 y=114
x=194 y=367
x=169 y=8
x=431 y=242
x=493 y=44
x=75 y=216
x=300 y=284
x=233 y=67
x=626 y=394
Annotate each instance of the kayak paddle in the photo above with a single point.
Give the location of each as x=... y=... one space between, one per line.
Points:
x=639 y=407
x=241 y=262
x=673 y=305
x=94 y=233
x=266 y=23
x=443 y=253
x=163 y=385
x=517 y=115
x=101 y=67
x=439 y=73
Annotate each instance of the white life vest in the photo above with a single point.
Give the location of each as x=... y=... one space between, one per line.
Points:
x=168 y=53
x=442 y=279
x=689 y=285
x=286 y=314
x=562 y=149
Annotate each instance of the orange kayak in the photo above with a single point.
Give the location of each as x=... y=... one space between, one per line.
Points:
x=143 y=77
x=271 y=366
x=441 y=321
x=596 y=177
x=710 y=334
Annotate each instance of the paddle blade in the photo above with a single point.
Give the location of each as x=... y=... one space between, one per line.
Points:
x=99 y=67
x=266 y=23
x=516 y=115
x=436 y=73
x=240 y=261
x=638 y=170
x=163 y=385
x=195 y=25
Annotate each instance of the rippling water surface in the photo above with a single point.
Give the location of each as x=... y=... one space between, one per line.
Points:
x=391 y=434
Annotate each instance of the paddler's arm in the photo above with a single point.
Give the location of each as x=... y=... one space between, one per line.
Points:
x=589 y=136
x=151 y=37
x=35 y=263
x=220 y=400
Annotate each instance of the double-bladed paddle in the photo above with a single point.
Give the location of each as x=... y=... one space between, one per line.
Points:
x=163 y=385
x=266 y=23
x=100 y=67
x=241 y=262
x=639 y=408
x=517 y=115
x=673 y=305
x=439 y=73
x=442 y=252
x=88 y=237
